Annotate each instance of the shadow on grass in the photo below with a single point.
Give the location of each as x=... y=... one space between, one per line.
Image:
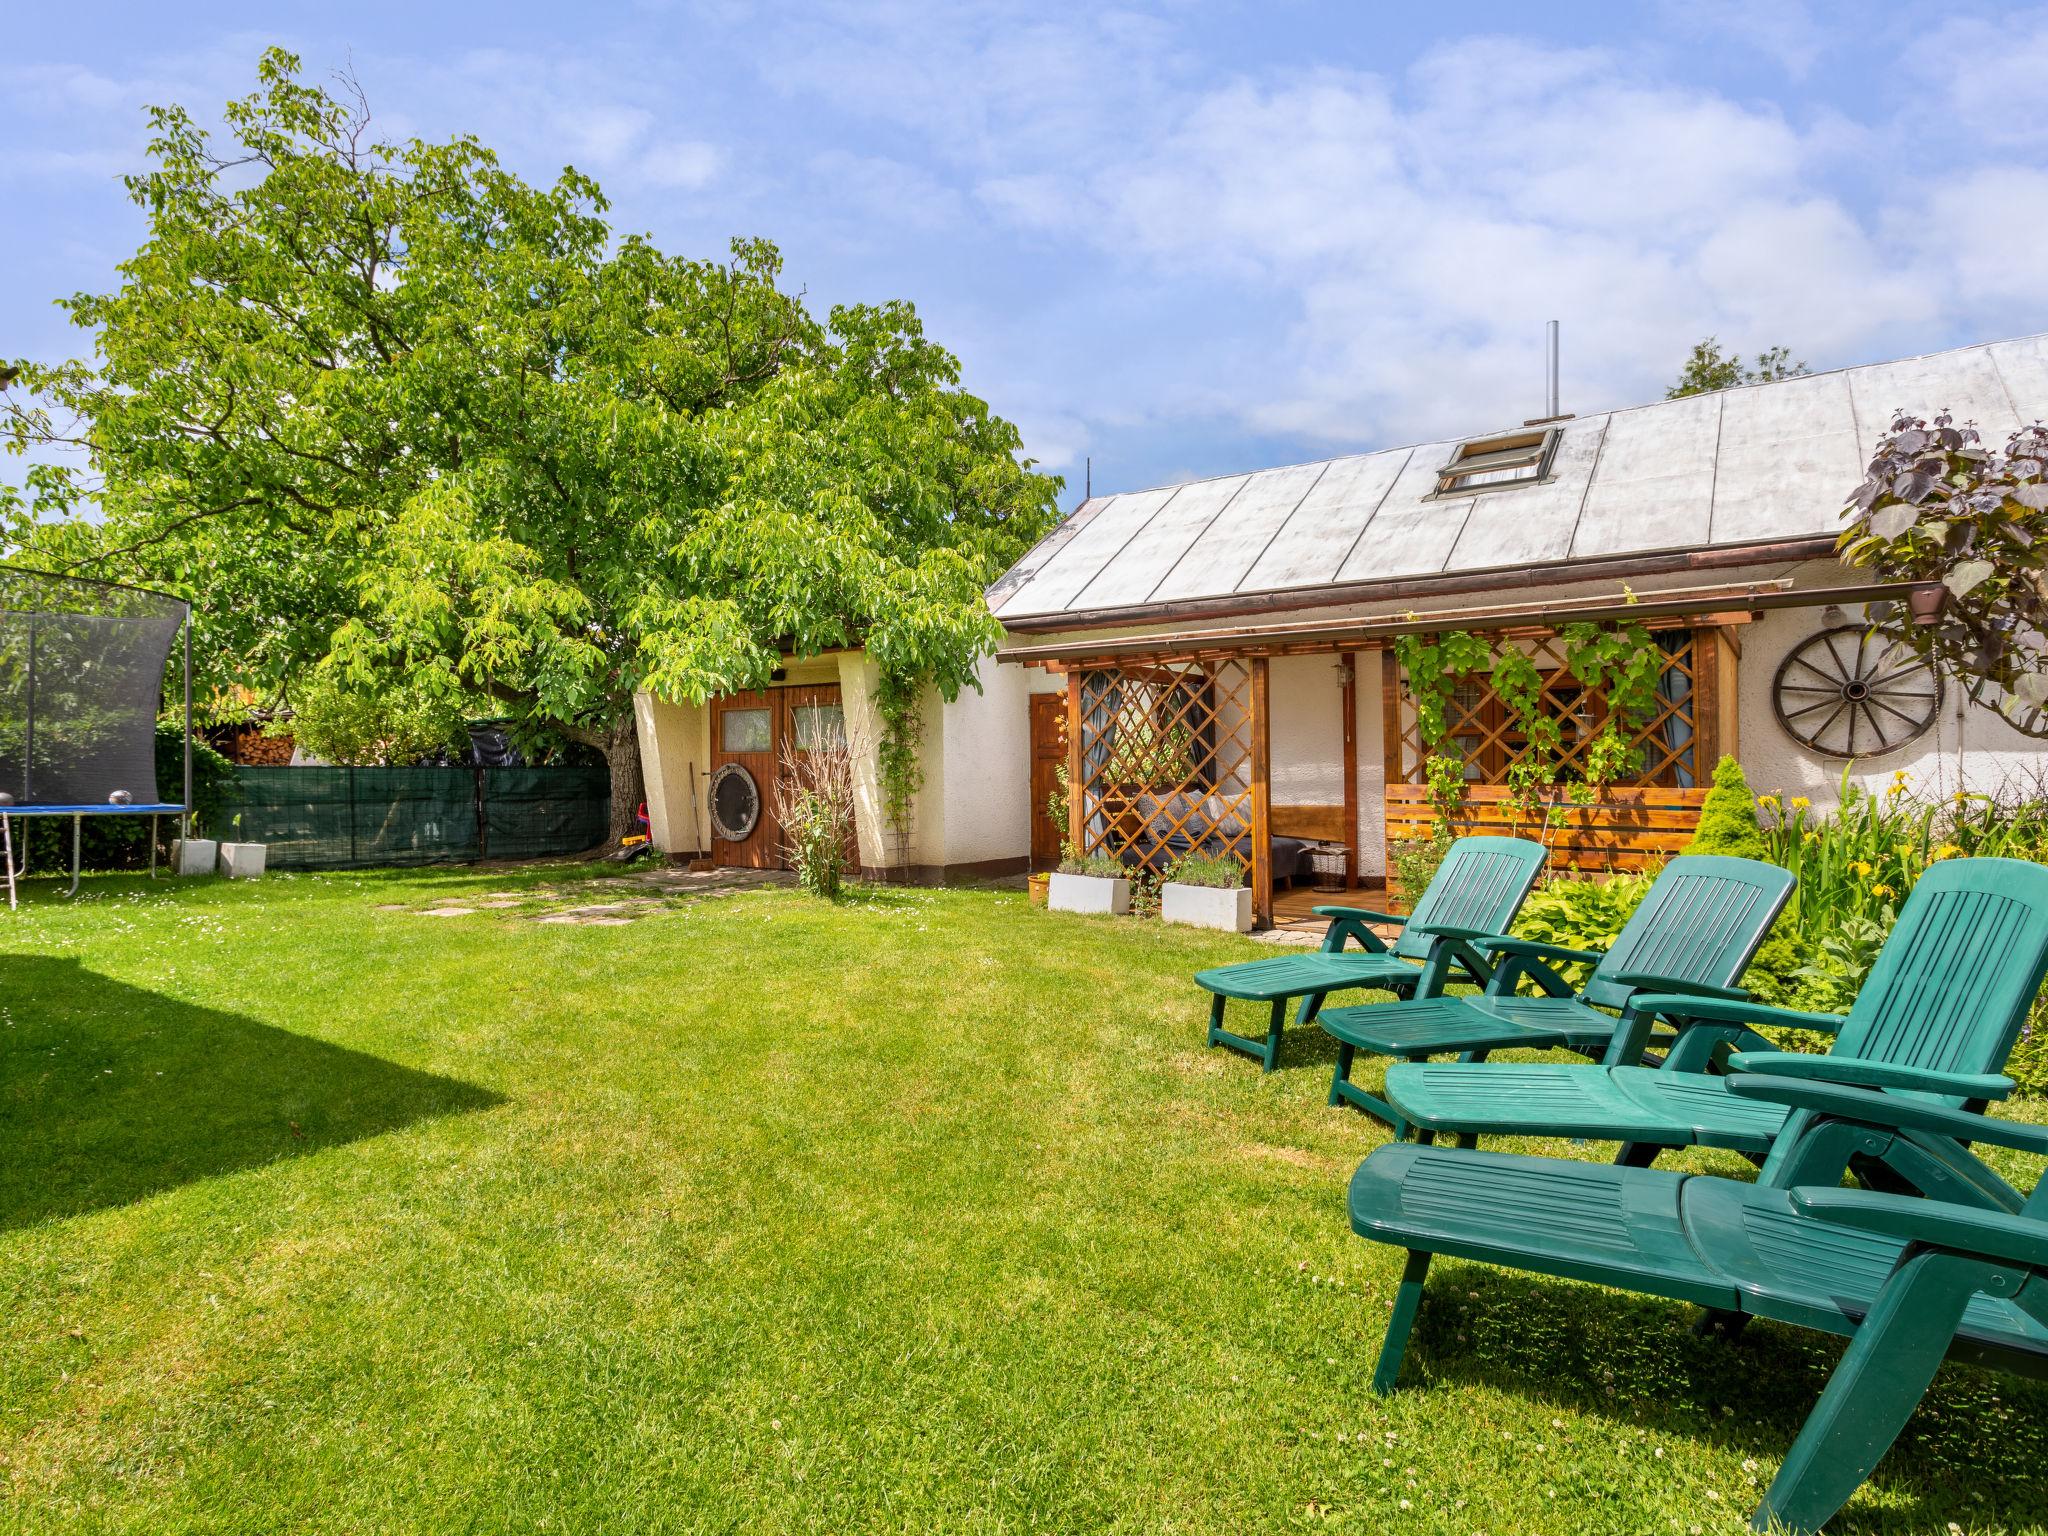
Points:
x=109 y=1093
x=1636 y=1360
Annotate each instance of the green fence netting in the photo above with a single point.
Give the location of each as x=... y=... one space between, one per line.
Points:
x=348 y=818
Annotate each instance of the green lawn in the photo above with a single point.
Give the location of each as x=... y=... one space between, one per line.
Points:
x=925 y=1211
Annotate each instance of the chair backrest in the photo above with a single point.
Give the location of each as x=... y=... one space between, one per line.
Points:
x=1702 y=921
x=1955 y=980
x=1481 y=883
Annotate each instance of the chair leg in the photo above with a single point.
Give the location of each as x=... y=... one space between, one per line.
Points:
x=1273 y=1027
x=1216 y=1030
x=1341 y=1077
x=1401 y=1322
x=1636 y=1154
x=1311 y=1005
x=1872 y=1393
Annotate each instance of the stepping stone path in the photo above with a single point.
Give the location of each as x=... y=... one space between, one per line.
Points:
x=636 y=894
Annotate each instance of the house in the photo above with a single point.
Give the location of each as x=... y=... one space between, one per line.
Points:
x=1217 y=663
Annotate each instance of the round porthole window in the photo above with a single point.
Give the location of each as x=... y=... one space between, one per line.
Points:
x=735 y=803
x=1847 y=692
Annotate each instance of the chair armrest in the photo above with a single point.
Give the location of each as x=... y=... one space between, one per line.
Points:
x=1536 y=949
x=1889 y=1111
x=1964 y=1229
x=1871 y=1074
x=1452 y=931
x=1677 y=986
x=1712 y=1010
x=1361 y=914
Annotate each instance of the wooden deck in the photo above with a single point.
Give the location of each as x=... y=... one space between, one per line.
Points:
x=1294 y=908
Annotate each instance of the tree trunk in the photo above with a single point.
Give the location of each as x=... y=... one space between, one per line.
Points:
x=622 y=756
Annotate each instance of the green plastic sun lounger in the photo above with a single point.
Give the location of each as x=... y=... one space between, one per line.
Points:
x=1939 y=1014
x=1478 y=889
x=1693 y=934
x=1909 y=1280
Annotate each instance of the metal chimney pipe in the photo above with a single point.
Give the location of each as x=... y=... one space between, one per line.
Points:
x=1550 y=405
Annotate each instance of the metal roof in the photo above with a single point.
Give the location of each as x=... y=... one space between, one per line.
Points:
x=1761 y=464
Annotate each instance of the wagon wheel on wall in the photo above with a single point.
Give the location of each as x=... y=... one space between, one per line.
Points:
x=1851 y=692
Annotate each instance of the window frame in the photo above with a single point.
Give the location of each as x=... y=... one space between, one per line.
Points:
x=1530 y=447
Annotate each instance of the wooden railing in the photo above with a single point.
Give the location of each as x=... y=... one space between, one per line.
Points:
x=1627 y=829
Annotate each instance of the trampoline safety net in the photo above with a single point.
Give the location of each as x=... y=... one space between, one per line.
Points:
x=81 y=680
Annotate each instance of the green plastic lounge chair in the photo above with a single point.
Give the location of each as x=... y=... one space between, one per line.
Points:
x=1693 y=934
x=1477 y=891
x=1939 y=1014
x=1909 y=1280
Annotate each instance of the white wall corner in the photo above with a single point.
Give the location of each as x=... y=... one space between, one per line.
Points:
x=651 y=770
x=673 y=754
x=858 y=680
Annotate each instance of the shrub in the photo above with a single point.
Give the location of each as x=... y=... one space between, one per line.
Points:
x=1098 y=866
x=1581 y=914
x=1416 y=863
x=1223 y=872
x=814 y=802
x=1728 y=823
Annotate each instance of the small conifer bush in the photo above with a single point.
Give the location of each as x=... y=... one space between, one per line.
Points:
x=1728 y=823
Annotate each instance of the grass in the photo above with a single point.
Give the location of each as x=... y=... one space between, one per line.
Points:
x=921 y=1211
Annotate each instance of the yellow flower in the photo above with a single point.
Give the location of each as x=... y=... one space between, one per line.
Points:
x=1945 y=851
x=1812 y=836
x=1881 y=890
x=1800 y=802
x=1862 y=869
x=1770 y=800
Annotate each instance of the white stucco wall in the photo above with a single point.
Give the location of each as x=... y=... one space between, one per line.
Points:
x=1307 y=731
x=984 y=775
x=1993 y=756
x=675 y=753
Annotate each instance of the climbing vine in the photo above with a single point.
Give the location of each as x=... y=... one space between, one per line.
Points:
x=1621 y=663
x=899 y=756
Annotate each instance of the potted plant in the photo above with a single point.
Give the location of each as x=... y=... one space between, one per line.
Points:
x=1208 y=893
x=1089 y=883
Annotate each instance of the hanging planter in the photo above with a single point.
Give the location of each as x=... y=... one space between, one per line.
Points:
x=1924 y=603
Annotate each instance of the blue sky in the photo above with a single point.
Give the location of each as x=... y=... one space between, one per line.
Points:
x=1183 y=239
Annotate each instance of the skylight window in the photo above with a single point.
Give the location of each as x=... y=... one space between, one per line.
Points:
x=1493 y=463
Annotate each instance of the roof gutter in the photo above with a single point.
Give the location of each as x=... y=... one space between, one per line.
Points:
x=1283 y=600
x=1338 y=634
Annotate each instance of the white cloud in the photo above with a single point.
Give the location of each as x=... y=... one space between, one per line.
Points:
x=690 y=164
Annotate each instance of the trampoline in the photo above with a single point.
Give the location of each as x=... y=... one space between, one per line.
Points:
x=82 y=674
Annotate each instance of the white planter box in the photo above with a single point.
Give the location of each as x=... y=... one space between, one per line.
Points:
x=193 y=855
x=242 y=861
x=1207 y=906
x=1089 y=893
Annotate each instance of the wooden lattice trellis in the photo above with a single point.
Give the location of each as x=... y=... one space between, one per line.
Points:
x=1484 y=730
x=1166 y=757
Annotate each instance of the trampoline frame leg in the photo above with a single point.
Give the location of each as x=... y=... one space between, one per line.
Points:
x=77 y=822
x=7 y=842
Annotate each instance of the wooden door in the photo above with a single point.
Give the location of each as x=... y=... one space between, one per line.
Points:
x=743 y=732
x=1048 y=756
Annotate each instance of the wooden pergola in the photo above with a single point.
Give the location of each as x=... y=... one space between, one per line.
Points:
x=1169 y=737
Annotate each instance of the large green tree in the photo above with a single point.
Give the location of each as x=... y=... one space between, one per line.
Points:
x=387 y=410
